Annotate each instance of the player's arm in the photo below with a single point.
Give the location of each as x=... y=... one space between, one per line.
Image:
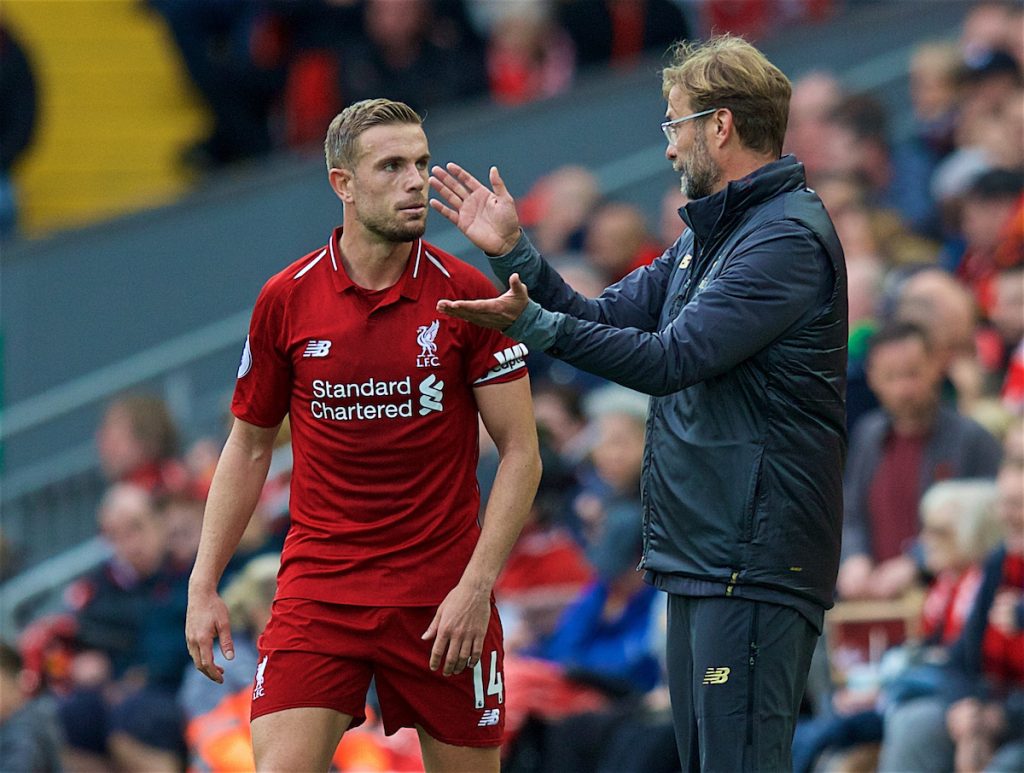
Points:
x=234 y=492
x=461 y=621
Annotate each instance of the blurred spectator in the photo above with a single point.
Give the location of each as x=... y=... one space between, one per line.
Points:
x=183 y=522
x=561 y=422
x=128 y=615
x=988 y=206
x=856 y=143
x=816 y=96
x=547 y=568
x=987 y=26
x=617 y=241
x=406 y=54
x=863 y=287
x=30 y=737
x=959 y=527
x=1005 y=332
x=938 y=303
x=17 y=122
x=557 y=207
x=528 y=55
x=934 y=81
x=248 y=598
x=670 y=224
x=977 y=723
x=137 y=441
x=610 y=489
x=619 y=31
x=897 y=451
x=234 y=51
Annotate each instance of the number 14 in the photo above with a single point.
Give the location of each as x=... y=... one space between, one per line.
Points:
x=495 y=686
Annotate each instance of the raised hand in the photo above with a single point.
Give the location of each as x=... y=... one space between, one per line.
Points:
x=497 y=313
x=487 y=217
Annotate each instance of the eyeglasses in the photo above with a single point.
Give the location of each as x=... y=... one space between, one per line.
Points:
x=671 y=128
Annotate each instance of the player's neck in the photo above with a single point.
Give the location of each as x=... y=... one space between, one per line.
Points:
x=371 y=262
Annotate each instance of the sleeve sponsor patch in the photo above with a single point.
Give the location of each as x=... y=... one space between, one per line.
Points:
x=507 y=360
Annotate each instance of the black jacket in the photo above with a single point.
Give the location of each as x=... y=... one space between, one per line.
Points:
x=739 y=331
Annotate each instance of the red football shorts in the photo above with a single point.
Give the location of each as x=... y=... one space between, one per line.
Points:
x=314 y=654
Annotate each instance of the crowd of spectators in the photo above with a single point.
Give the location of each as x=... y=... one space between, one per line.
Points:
x=932 y=222
x=274 y=72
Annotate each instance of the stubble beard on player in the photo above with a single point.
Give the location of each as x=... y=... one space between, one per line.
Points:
x=391 y=229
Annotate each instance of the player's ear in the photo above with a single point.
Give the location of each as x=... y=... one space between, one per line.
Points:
x=341 y=183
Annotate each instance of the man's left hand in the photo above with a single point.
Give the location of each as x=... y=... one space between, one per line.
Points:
x=497 y=313
x=458 y=628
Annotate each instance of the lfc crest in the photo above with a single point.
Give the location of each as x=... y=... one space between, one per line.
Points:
x=425 y=338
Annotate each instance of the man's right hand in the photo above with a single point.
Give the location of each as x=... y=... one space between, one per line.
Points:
x=487 y=218
x=205 y=620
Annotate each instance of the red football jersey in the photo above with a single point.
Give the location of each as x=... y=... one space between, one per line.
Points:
x=379 y=388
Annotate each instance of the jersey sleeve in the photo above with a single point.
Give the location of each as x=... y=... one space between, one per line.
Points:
x=263 y=389
x=493 y=357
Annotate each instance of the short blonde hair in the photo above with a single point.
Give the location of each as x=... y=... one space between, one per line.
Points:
x=976 y=525
x=340 y=143
x=251 y=589
x=726 y=71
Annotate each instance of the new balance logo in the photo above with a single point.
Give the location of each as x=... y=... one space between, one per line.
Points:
x=490 y=717
x=317 y=348
x=260 y=670
x=431 y=394
x=716 y=676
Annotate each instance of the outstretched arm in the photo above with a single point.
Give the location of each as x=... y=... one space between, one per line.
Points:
x=488 y=219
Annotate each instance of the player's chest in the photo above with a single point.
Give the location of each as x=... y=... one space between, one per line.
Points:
x=389 y=344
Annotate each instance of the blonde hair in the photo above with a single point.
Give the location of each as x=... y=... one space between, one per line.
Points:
x=727 y=72
x=340 y=143
x=975 y=522
x=252 y=589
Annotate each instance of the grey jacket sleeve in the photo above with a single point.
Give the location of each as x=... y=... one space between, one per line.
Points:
x=635 y=301
x=773 y=283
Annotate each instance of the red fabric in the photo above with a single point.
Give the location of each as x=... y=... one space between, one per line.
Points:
x=547 y=560
x=894 y=496
x=948 y=604
x=324 y=655
x=1013 y=388
x=628 y=20
x=311 y=96
x=384 y=498
x=647 y=255
x=1003 y=654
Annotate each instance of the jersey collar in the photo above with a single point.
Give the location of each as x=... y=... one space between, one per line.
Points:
x=408 y=285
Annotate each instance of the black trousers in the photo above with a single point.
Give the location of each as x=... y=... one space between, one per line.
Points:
x=736 y=671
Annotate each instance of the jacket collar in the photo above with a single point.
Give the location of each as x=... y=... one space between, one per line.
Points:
x=712 y=213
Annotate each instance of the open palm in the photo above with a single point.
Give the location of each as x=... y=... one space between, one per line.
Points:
x=487 y=217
